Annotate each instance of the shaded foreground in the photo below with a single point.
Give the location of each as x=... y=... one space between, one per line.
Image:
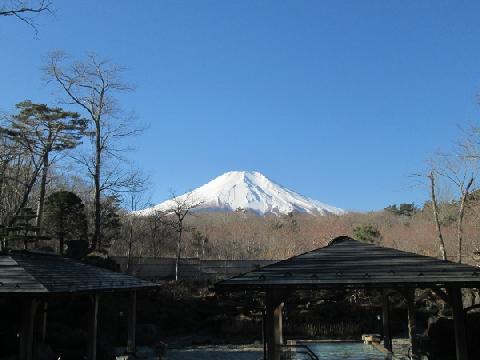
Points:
x=346 y=263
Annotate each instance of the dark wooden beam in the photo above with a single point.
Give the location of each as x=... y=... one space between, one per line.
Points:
x=456 y=302
x=132 y=323
x=387 y=334
x=27 y=331
x=274 y=336
x=473 y=307
x=92 y=327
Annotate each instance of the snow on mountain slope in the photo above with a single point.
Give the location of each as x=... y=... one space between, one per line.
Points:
x=249 y=190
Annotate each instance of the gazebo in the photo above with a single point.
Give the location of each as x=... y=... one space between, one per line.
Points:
x=35 y=278
x=349 y=264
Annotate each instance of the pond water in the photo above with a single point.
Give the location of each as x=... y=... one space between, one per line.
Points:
x=346 y=351
x=216 y=353
x=325 y=351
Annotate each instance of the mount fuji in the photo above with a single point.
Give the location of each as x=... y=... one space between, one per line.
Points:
x=247 y=190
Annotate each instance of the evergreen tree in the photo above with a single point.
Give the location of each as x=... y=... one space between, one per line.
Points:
x=110 y=222
x=367 y=233
x=44 y=131
x=408 y=209
x=392 y=209
x=65 y=217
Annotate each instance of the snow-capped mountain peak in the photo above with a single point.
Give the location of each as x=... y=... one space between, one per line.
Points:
x=248 y=190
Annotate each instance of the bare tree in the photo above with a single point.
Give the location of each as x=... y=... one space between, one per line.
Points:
x=180 y=207
x=25 y=10
x=432 y=176
x=92 y=85
x=460 y=171
x=135 y=195
x=160 y=228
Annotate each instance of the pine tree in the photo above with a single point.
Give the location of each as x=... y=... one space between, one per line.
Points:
x=65 y=217
x=45 y=132
x=367 y=233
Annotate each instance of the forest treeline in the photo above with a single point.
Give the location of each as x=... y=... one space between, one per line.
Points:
x=239 y=235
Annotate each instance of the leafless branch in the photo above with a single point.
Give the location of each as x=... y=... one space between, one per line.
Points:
x=26 y=11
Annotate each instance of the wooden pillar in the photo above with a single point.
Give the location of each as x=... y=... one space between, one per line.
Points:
x=387 y=334
x=455 y=295
x=274 y=336
x=132 y=323
x=43 y=321
x=27 y=330
x=92 y=327
x=264 y=334
x=412 y=322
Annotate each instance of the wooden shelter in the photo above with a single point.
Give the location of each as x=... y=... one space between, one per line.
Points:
x=35 y=278
x=347 y=263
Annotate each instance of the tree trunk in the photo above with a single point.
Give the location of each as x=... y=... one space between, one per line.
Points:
x=3 y=240
x=461 y=214
x=96 y=176
x=2 y=182
x=26 y=195
x=177 y=260
x=43 y=185
x=441 y=242
x=129 y=253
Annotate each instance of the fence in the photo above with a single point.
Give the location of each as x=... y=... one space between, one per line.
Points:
x=189 y=269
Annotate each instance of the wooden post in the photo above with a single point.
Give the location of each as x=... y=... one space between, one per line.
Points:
x=92 y=328
x=387 y=335
x=264 y=334
x=132 y=323
x=458 y=323
x=274 y=325
x=27 y=330
x=43 y=324
x=412 y=322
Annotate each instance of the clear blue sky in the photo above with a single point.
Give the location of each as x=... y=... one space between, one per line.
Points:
x=338 y=100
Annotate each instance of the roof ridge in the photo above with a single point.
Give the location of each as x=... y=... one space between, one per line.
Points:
x=358 y=264
x=338 y=239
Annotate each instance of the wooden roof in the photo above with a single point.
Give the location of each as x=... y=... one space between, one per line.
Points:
x=347 y=263
x=33 y=273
